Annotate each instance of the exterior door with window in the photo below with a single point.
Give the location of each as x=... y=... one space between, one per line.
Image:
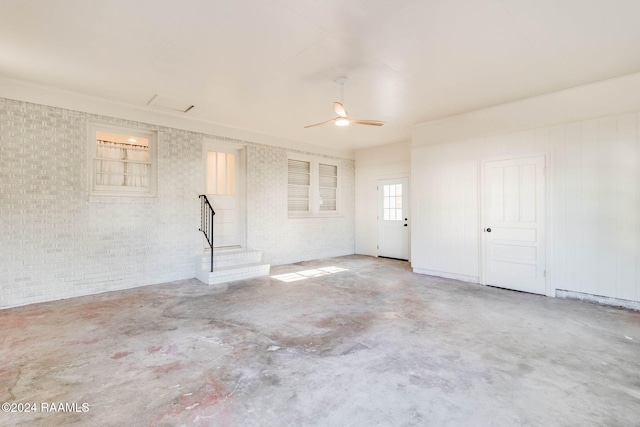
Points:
x=513 y=232
x=223 y=189
x=393 y=218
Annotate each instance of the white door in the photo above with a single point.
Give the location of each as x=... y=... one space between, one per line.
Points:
x=393 y=218
x=222 y=189
x=514 y=224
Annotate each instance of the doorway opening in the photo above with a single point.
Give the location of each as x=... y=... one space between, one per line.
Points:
x=225 y=190
x=513 y=224
x=393 y=218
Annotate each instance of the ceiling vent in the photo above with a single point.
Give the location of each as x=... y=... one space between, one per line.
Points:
x=168 y=104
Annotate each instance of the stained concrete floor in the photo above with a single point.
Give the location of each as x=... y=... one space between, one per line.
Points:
x=373 y=344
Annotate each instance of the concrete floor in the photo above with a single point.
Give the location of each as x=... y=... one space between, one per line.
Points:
x=371 y=345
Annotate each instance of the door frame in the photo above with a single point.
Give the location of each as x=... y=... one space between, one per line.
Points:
x=549 y=175
x=409 y=212
x=209 y=144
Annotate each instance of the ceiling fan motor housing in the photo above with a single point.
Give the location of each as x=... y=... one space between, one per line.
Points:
x=338 y=107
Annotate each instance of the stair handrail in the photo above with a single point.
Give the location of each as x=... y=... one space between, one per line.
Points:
x=206 y=222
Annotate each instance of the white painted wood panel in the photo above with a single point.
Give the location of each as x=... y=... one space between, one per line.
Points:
x=626 y=148
x=607 y=199
x=600 y=247
x=593 y=226
x=589 y=208
x=443 y=199
x=570 y=184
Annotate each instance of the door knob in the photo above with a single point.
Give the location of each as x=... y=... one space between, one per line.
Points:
x=488 y=230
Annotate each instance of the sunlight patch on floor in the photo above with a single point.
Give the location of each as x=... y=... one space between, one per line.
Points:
x=305 y=274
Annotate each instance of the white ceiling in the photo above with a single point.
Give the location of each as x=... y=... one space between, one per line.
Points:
x=269 y=65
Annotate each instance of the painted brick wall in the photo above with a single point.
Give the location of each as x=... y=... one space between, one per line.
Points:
x=285 y=240
x=57 y=242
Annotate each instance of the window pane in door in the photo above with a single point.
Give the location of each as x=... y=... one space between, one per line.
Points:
x=231 y=173
x=221 y=178
x=392 y=202
x=221 y=173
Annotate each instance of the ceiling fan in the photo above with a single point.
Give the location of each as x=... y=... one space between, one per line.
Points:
x=343 y=119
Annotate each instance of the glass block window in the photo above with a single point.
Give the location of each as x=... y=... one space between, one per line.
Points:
x=392 y=202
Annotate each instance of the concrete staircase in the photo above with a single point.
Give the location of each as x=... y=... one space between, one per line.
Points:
x=230 y=264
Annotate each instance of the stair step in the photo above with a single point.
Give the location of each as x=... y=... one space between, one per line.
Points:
x=230 y=264
x=233 y=273
x=230 y=257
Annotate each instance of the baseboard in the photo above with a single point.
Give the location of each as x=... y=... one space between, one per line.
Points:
x=616 y=302
x=462 y=277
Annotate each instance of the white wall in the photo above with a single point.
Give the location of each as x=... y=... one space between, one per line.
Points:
x=57 y=242
x=593 y=192
x=389 y=161
x=444 y=237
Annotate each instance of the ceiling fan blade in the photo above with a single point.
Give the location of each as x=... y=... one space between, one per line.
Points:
x=321 y=123
x=367 y=122
x=339 y=109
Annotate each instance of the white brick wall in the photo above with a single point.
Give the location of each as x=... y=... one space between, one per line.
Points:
x=285 y=240
x=57 y=242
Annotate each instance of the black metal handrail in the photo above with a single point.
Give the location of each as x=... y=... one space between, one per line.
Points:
x=206 y=222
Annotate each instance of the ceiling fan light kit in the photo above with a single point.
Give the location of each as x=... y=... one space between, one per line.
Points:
x=343 y=119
